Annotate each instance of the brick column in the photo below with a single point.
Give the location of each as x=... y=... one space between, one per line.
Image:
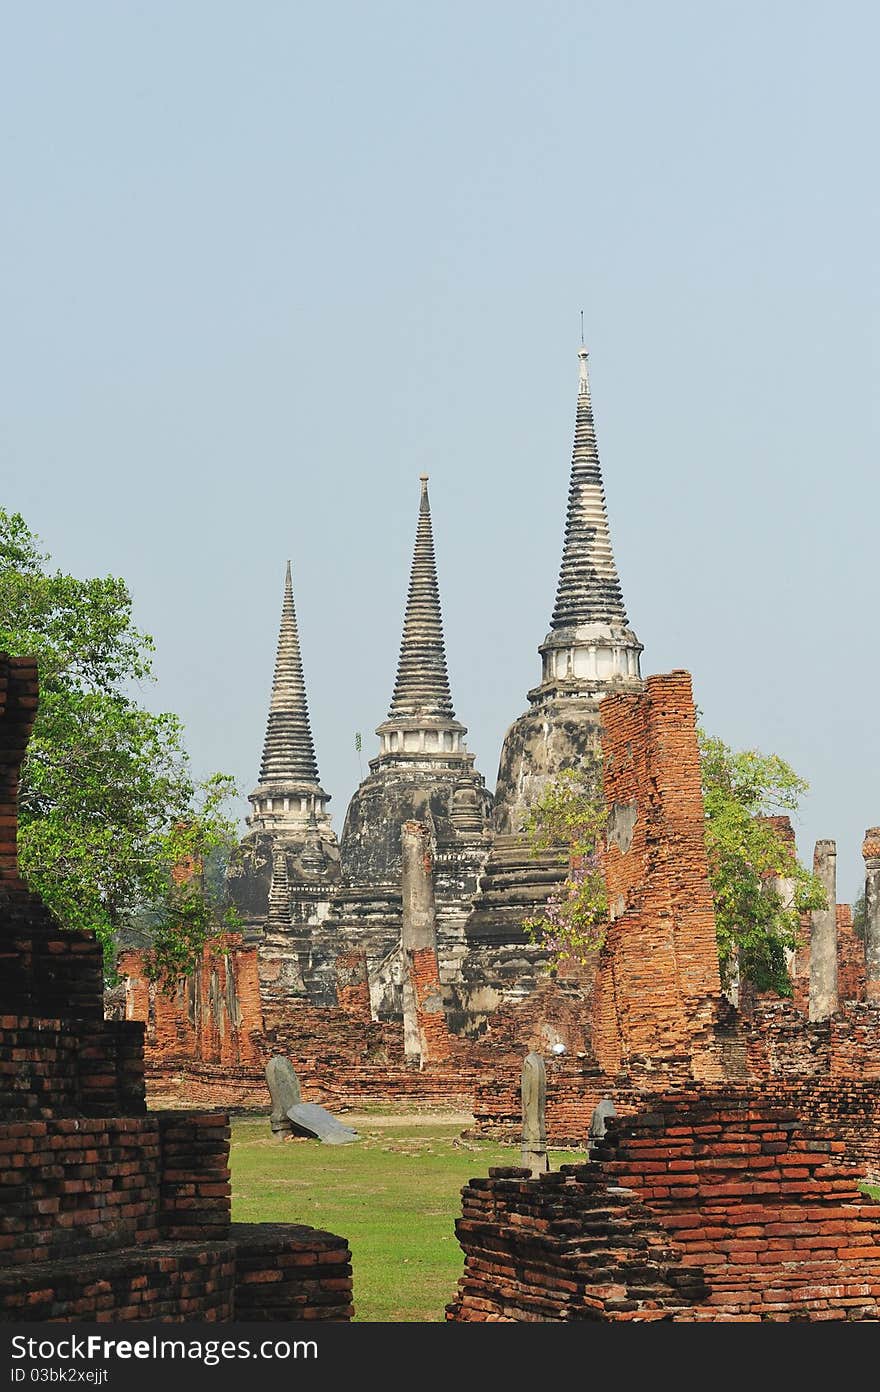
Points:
x=823 y=936
x=871 y=853
x=425 y=1035
x=658 y=982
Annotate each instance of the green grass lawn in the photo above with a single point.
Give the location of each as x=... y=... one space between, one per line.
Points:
x=394 y=1194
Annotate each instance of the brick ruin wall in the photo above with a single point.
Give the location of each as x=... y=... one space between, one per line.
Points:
x=564 y=1247
x=343 y=1057
x=760 y=1198
x=437 y=1044
x=110 y=1212
x=209 y=1043
x=214 y=1016
x=657 y=987
x=851 y=983
x=353 y=985
x=711 y=1206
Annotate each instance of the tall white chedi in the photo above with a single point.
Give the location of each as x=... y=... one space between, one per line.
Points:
x=590 y=649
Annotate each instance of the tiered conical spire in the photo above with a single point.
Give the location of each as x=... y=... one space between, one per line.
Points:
x=422 y=686
x=288 y=793
x=589 y=589
x=288 y=751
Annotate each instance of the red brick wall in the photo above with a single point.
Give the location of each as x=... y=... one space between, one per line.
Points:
x=758 y=1199
x=171 y=1282
x=564 y=1247
x=658 y=981
x=287 y=1272
x=70 y=1067
x=430 y=1017
x=45 y=971
x=214 y=1016
x=353 y=984
x=850 y=958
x=77 y=1184
x=765 y=1218
x=195 y=1195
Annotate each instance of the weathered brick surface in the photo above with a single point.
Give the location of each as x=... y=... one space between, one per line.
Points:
x=850 y=958
x=88 y=1180
x=77 y=1184
x=658 y=985
x=758 y=1199
x=213 y=1016
x=172 y=1282
x=286 y=1272
x=755 y=1196
x=70 y=1067
x=45 y=971
x=566 y=1246
x=431 y=1020
x=194 y=1188
x=353 y=984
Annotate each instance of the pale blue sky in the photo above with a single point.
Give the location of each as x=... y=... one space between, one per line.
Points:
x=263 y=264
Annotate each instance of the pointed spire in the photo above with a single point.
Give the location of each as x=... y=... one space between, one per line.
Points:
x=288 y=751
x=422 y=686
x=589 y=590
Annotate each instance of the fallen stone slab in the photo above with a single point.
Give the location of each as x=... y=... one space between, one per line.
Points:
x=308 y=1119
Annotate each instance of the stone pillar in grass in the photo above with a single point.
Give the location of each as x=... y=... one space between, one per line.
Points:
x=534 y=1103
x=284 y=1091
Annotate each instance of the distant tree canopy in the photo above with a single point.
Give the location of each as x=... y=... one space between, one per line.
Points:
x=757 y=919
x=108 y=806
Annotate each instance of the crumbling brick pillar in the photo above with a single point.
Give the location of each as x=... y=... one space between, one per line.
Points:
x=850 y=958
x=425 y=1034
x=353 y=984
x=18 y=709
x=658 y=983
x=871 y=853
x=823 y=936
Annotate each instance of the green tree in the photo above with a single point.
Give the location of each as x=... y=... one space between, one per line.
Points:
x=108 y=805
x=759 y=888
x=571 y=813
x=757 y=918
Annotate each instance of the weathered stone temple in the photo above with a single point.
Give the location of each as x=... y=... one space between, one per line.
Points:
x=589 y=652
x=282 y=879
x=424 y=773
x=319 y=917
x=395 y=962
